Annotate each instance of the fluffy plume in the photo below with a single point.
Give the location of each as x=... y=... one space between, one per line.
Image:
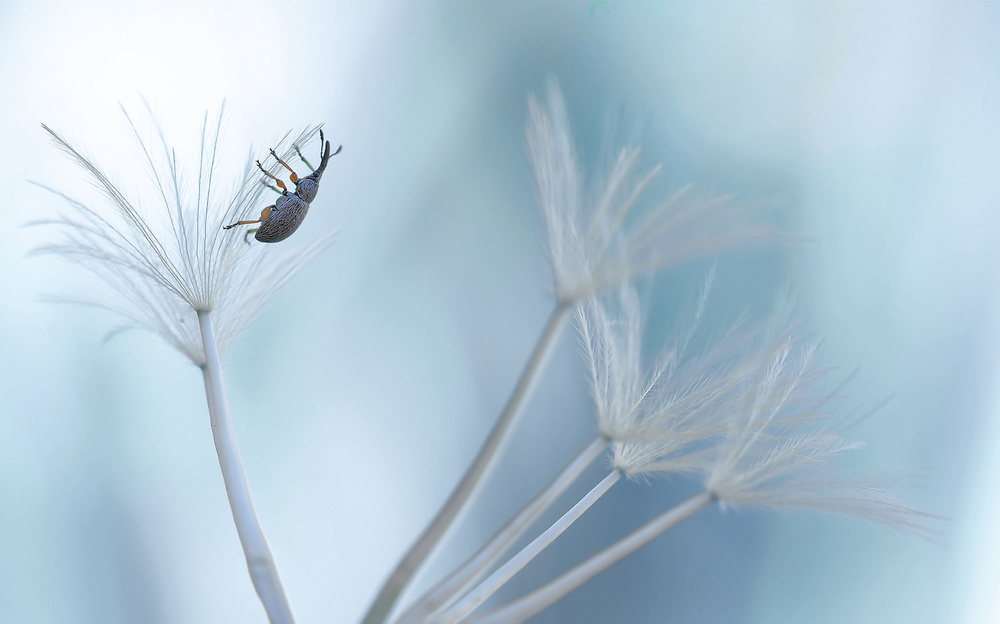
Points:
x=166 y=254
x=658 y=420
x=778 y=449
x=744 y=414
x=597 y=238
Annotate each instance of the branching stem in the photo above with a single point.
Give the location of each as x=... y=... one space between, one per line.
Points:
x=477 y=565
x=545 y=596
x=407 y=567
x=504 y=573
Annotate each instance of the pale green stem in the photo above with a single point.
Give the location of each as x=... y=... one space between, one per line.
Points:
x=504 y=573
x=478 y=564
x=419 y=552
x=260 y=564
x=555 y=590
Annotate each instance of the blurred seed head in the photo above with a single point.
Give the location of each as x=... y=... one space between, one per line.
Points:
x=780 y=449
x=598 y=237
x=745 y=414
x=660 y=418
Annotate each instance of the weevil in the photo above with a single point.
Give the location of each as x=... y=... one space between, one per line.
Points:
x=280 y=220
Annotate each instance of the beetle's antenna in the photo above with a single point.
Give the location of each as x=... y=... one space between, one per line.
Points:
x=324 y=143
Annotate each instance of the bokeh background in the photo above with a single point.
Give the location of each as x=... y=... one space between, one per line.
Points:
x=365 y=386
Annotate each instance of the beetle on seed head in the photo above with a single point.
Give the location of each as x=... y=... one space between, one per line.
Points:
x=279 y=221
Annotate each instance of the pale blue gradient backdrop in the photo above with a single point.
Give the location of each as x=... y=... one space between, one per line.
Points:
x=365 y=386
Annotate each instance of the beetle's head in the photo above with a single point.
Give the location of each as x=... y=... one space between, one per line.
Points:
x=306 y=188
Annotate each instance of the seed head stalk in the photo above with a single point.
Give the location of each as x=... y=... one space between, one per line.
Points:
x=504 y=573
x=260 y=563
x=555 y=590
x=438 y=598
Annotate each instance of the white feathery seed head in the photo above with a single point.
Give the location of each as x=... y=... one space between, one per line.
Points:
x=597 y=239
x=659 y=421
x=165 y=252
x=744 y=414
x=778 y=448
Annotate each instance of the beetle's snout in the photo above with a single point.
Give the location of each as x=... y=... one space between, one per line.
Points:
x=306 y=189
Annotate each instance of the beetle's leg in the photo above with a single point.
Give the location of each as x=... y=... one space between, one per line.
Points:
x=268 y=174
x=303 y=158
x=272 y=187
x=263 y=217
x=294 y=177
x=246 y=237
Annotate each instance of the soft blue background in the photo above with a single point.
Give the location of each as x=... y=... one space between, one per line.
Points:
x=363 y=389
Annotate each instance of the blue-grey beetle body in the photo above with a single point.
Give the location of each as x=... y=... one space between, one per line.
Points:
x=280 y=221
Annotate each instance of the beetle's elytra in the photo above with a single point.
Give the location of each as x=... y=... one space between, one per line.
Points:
x=279 y=221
